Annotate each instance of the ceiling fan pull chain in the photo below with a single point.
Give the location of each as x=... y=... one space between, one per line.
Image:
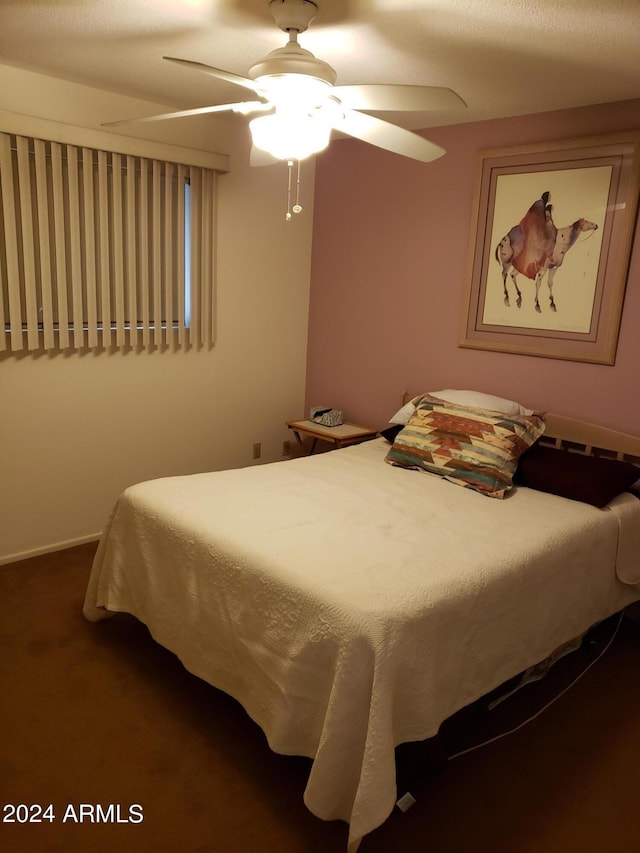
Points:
x=288 y=213
x=297 y=207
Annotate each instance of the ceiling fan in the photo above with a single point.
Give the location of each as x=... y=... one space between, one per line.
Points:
x=304 y=105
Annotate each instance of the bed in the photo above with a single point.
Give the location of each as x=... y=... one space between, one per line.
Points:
x=352 y=606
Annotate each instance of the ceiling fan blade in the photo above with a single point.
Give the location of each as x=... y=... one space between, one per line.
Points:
x=241 y=107
x=229 y=76
x=389 y=136
x=261 y=158
x=398 y=98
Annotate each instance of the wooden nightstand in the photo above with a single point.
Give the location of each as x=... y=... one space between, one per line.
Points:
x=340 y=436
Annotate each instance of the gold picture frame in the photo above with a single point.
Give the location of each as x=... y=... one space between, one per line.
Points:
x=550 y=244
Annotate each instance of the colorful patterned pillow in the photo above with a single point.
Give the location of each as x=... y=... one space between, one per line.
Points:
x=475 y=448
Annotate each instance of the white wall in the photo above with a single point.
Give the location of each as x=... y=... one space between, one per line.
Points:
x=76 y=429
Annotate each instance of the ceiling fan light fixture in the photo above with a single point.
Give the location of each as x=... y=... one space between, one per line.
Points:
x=290 y=136
x=293 y=90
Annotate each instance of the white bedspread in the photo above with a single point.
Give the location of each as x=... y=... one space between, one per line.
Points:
x=351 y=606
x=625 y=508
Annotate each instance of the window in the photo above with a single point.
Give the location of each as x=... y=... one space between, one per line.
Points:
x=101 y=249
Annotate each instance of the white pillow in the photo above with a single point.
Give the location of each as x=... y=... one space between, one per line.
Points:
x=464 y=398
x=481 y=401
x=402 y=415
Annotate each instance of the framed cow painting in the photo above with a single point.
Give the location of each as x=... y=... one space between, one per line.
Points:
x=550 y=245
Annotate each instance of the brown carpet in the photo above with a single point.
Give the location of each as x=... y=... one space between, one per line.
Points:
x=99 y=714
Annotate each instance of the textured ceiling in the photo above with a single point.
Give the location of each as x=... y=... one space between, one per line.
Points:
x=503 y=57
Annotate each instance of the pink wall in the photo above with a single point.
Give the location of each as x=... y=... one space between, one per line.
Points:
x=388 y=277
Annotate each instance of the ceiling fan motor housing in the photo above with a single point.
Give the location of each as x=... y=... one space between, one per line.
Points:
x=293 y=59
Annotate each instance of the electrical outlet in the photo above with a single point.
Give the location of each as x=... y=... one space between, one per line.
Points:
x=286 y=448
x=257 y=450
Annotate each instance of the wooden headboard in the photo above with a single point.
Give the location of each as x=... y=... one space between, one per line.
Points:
x=589 y=438
x=584 y=437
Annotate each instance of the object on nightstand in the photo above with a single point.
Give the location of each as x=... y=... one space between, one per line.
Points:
x=326 y=416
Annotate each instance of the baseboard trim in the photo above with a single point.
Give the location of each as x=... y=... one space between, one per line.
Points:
x=49 y=549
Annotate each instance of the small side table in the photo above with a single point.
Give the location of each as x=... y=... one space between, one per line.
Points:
x=340 y=436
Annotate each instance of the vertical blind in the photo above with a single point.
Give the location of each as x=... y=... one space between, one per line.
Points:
x=99 y=249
